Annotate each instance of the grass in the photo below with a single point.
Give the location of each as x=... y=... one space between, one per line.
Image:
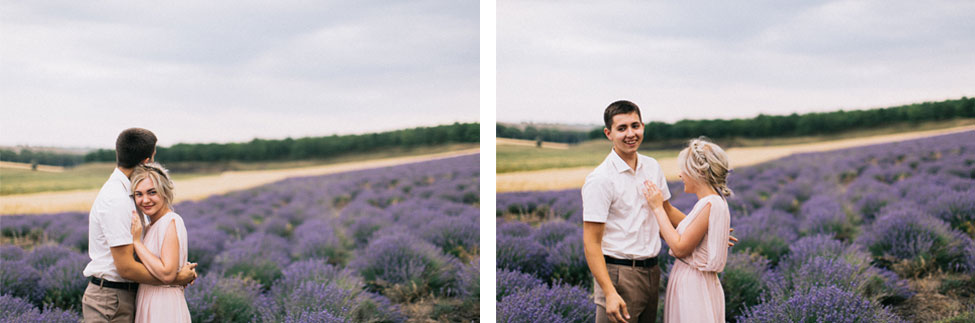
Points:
x=511 y=158
x=93 y=175
x=81 y=177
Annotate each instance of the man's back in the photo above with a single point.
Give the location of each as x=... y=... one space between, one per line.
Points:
x=108 y=226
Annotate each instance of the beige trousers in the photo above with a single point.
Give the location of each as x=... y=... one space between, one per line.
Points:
x=638 y=286
x=103 y=304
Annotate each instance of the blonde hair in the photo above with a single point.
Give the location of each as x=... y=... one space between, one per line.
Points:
x=159 y=177
x=707 y=163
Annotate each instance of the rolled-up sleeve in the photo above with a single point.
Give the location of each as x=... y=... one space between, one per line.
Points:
x=662 y=183
x=117 y=221
x=596 y=199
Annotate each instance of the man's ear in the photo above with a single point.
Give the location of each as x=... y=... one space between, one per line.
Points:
x=607 y=131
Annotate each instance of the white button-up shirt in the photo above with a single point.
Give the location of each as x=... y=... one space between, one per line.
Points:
x=109 y=225
x=613 y=194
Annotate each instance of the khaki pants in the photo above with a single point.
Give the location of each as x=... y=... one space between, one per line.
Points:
x=638 y=286
x=103 y=304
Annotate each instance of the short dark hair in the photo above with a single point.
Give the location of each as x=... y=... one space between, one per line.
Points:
x=619 y=107
x=133 y=146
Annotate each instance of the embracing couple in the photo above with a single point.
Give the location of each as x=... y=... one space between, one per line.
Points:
x=122 y=288
x=626 y=212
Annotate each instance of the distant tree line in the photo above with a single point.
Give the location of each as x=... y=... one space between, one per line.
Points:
x=309 y=147
x=807 y=124
x=41 y=157
x=545 y=134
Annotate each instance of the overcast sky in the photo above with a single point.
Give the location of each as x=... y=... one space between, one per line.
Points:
x=565 y=61
x=75 y=74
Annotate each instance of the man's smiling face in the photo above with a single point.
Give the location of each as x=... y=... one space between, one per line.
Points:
x=626 y=133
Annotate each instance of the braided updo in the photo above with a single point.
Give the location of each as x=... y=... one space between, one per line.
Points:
x=707 y=163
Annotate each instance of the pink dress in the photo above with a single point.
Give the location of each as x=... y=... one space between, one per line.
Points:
x=163 y=303
x=694 y=293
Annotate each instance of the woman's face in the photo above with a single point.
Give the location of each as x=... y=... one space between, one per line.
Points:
x=147 y=198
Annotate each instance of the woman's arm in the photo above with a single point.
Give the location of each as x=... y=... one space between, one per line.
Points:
x=166 y=267
x=683 y=245
x=673 y=214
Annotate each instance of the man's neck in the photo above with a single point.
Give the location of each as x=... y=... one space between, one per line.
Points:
x=629 y=159
x=126 y=171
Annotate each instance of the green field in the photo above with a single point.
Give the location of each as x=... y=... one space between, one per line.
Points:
x=93 y=175
x=511 y=158
x=521 y=158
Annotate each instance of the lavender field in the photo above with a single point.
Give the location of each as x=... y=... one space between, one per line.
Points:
x=382 y=245
x=872 y=234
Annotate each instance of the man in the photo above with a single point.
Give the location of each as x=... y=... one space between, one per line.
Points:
x=113 y=273
x=620 y=236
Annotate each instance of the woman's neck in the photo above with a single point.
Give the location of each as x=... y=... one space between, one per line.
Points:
x=704 y=190
x=155 y=217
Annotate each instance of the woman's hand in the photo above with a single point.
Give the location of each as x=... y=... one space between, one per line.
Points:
x=136 y=227
x=655 y=198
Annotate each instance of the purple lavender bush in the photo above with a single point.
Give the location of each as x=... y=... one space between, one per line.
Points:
x=957 y=208
x=317 y=238
x=820 y=304
x=767 y=232
x=513 y=281
x=13 y=309
x=11 y=253
x=257 y=257
x=214 y=298
x=63 y=283
x=823 y=214
x=552 y=233
x=743 y=280
x=523 y=254
x=408 y=265
x=922 y=242
x=568 y=261
x=313 y=286
x=559 y=303
x=20 y=279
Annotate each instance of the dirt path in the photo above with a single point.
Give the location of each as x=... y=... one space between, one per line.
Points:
x=566 y=178
x=202 y=187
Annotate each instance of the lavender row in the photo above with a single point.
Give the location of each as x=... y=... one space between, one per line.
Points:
x=355 y=246
x=818 y=231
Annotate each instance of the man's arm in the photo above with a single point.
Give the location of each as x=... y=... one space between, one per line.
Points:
x=129 y=269
x=592 y=233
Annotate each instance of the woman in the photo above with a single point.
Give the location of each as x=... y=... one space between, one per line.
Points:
x=162 y=250
x=699 y=242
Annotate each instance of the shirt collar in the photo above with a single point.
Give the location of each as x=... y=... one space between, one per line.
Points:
x=120 y=176
x=620 y=164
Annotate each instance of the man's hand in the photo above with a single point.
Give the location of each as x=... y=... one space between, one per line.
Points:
x=616 y=308
x=186 y=275
x=731 y=238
